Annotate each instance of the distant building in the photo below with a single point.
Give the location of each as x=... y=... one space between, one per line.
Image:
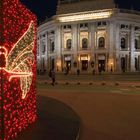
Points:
x=90 y=35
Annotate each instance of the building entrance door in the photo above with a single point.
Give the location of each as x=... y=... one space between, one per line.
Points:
x=84 y=65
x=68 y=65
x=101 y=65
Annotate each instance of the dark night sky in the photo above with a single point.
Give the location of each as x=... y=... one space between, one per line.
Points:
x=47 y=8
x=42 y=8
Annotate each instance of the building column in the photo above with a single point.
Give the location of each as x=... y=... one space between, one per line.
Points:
x=132 y=48
x=40 y=53
x=75 y=46
x=95 y=49
x=58 y=48
x=117 y=48
x=46 y=50
x=111 y=46
x=92 y=45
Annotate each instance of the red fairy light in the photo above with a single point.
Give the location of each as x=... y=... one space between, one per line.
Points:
x=17 y=68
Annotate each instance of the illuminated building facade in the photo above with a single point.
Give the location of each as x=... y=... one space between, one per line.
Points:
x=90 y=35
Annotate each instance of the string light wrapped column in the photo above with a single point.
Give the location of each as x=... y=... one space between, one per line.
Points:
x=17 y=68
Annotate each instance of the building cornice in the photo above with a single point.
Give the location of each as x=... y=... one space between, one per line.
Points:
x=87 y=15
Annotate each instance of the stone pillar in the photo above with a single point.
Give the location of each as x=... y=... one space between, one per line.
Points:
x=117 y=48
x=58 y=48
x=75 y=45
x=95 y=48
x=39 y=54
x=92 y=44
x=40 y=51
x=46 y=51
x=111 y=46
x=132 y=48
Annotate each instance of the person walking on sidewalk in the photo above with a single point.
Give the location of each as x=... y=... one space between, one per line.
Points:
x=53 y=77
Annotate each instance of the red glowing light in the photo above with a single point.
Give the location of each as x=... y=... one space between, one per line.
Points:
x=17 y=68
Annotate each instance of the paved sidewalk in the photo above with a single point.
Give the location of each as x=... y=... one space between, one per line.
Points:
x=56 y=121
x=108 y=79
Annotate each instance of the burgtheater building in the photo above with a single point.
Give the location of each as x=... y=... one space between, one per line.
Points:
x=90 y=35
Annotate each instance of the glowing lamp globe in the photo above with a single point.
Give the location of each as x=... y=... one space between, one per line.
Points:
x=17 y=68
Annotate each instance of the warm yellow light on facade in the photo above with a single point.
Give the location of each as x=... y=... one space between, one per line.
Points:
x=88 y=58
x=85 y=16
x=79 y=58
x=111 y=64
x=58 y=65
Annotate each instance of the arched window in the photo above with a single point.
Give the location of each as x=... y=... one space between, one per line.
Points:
x=68 y=44
x=136 y=44
x=84 y=43
x=101 y=42
x=123 y=43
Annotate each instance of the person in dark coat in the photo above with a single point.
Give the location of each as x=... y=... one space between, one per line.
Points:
x=53 y=77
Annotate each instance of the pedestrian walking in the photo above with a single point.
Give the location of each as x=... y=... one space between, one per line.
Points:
x=53 y=77
x=93 y=72
x=78 y=71
x=50 y=73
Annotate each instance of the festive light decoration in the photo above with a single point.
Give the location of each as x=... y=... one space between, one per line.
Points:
x=85 y=16
x=17 y=68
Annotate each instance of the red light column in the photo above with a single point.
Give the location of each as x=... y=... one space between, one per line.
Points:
x=17 y=68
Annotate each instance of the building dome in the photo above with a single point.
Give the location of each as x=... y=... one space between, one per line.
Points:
x=71 y=6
